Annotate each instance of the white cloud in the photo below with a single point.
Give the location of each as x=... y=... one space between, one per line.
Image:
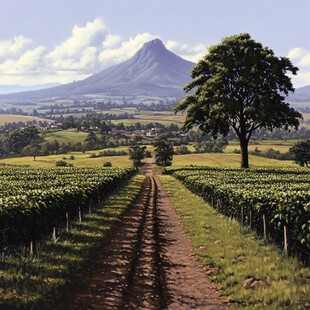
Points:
x=83 y=41
x=14 y=47
x=28 y=62
x=296 y=53
x=191 y=53
x=125 y=50
x=111 y=41
x=301 y=58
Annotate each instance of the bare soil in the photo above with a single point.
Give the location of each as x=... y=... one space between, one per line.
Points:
x=147 y=263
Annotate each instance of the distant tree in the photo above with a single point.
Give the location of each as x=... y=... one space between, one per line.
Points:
x=19 y=138
x=91 y=140
x=300 y=152
x=31 y=150
x=107 y=164
x=241 y=85
x=182 y=149
x=136 y=153
x=163 y=151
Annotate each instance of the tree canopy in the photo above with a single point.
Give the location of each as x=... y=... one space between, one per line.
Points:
x=239 y=85
x=136 y=153
x=163 y=151
x=301 y=152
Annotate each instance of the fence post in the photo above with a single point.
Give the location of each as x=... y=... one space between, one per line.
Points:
x=54 y=235
x=80 y=215
x=251 y=219
x=266 y=230
x=67 y=221
x=33 y=247
x=287 y=244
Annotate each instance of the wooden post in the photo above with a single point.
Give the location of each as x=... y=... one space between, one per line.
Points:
x=54 y=235
x=67 y=221
x=265 y=223
x=287 y=245
x=80 y=215
x=251 y=220
x=33 y=248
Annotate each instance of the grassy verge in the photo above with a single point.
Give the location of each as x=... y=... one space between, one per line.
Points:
x=234 y=255
x=25 y=282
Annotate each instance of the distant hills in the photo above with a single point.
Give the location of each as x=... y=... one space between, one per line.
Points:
x=152 y=71
x=300 y=95
x=8 y=89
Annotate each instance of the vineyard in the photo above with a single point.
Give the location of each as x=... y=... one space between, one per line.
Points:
x=274 y=202
x=36 y=202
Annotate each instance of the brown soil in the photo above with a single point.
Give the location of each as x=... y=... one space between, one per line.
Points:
x=147 y=263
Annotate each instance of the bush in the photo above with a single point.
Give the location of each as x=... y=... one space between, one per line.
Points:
x=62 y=163
x=72 y=157
x=107 y=164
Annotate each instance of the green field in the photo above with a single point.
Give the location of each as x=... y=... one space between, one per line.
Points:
x=227 y=160
x=65 y=136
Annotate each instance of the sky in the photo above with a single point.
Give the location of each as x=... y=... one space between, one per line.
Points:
x=50 y=41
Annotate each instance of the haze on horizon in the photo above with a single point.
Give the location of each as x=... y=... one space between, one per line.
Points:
x=61 y=41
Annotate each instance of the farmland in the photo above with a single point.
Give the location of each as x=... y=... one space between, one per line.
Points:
x=278 y=198
x=10 y=118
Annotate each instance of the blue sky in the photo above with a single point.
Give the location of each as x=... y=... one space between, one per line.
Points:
x=44 y=41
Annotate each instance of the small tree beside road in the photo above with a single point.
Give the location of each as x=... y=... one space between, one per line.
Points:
x=163 y=151
x=136 y=153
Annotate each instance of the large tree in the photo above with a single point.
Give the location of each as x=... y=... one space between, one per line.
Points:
x=242 y=85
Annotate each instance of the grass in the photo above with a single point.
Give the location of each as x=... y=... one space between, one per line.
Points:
x=80 y=160
x=65 y=136
x=227 y=160
x=261 y=147
x=26 y=282
x=218 y=241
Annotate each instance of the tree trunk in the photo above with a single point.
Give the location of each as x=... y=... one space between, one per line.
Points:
x=244 y=153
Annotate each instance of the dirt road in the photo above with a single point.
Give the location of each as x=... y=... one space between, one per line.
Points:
x=147 y=263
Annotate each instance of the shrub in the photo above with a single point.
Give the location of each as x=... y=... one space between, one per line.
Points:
x=107 y=164
x=62 y=163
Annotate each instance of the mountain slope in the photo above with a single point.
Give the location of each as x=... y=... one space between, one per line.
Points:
x=152 y=71
x=301 y=94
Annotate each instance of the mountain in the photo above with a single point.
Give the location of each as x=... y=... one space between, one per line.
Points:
x=7 y=89
x=301 y=94
x=152 y=71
